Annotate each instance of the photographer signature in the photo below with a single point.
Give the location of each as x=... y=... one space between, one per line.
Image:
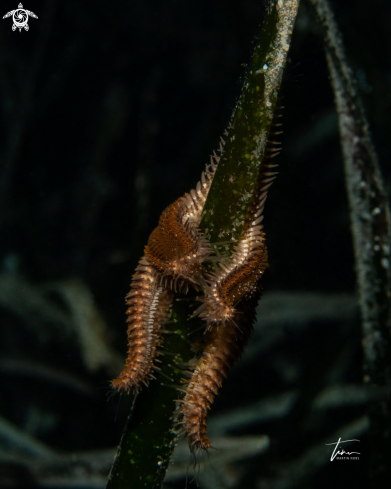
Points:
x=337 y=452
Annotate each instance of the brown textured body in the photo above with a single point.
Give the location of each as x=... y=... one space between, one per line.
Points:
x=173 y=259
x=176 y=249
x=148 y=306
x=241 y=282
x=171 y=238
x=224 y=345
x=237 y=275
x=237 y=279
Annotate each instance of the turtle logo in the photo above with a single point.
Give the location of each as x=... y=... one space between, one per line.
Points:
x=20 y=16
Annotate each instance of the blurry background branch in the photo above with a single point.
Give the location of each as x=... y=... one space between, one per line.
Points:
x=279 y=314
x=371 y=228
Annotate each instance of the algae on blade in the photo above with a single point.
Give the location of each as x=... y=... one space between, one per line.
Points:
x=233 y=185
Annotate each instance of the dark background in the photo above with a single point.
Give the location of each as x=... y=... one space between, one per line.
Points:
x=109 y=111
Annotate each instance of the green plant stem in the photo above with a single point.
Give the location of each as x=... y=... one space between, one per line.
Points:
x=150 y=436
x=233 y=185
